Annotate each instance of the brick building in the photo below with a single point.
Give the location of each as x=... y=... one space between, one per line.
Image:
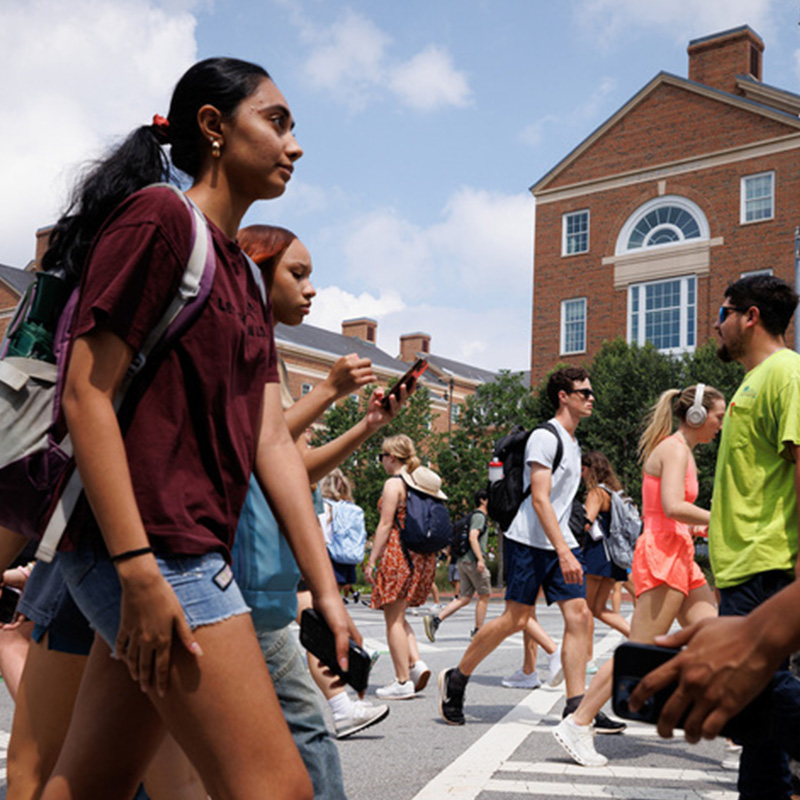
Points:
x=691 y=184
x=13 y=283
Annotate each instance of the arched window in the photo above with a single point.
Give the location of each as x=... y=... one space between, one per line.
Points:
x=663 y=221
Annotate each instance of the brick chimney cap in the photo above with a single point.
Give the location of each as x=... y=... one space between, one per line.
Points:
x=359 y=319
x=417 y=333
x=728 y=34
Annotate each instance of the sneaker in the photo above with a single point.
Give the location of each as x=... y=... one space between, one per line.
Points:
x=451 y=703
x=604 y=724
x=521 y=680
x=356 y=596
x=362 y=715
x=591 y=668
x=419 y=675
x=431 y=625
x=472 y=633
x=577 y=740
x=396 y=691
x=733 y=753
x=555 y=672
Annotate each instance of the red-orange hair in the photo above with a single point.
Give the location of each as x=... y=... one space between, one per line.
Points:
x=265 y=244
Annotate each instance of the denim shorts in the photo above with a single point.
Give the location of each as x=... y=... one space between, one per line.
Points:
x=532 y=568
x=203 y=584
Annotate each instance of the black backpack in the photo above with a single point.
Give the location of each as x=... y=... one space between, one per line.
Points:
x=507 y=494
x=459 y=543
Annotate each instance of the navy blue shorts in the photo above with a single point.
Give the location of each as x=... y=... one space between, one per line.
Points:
x=345 y=573
x=598 y=563
x=532 y=568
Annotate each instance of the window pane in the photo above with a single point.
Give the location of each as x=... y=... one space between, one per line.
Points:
x=758 y=198
x=573 y=314
x=664 y=225
x=576 y=232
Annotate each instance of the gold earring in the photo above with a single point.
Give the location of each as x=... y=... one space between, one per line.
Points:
x=216 y=148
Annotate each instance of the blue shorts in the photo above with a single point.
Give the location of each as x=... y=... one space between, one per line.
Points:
x=532 y=568
x=204 y=586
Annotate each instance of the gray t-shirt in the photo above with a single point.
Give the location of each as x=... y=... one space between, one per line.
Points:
x=541 y=449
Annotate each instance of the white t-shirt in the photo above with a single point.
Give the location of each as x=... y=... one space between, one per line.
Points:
x=541 y=449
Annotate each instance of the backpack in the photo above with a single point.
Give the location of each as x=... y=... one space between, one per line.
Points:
x=624 y=529
x=507 y=494
x=39 y=486
x=348 y=533
x=427 y=528
x=459 y=541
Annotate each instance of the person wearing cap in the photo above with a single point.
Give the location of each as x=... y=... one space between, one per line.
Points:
x=403 y=578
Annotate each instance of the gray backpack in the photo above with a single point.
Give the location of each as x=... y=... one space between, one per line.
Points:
x=624 y=529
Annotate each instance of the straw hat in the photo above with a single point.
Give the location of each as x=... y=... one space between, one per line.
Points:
x=424 y=480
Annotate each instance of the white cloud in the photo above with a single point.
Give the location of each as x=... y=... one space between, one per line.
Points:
x=350 y=61
x=429 y=80
x=680 y=19
x=333 y=304
x=84 y=74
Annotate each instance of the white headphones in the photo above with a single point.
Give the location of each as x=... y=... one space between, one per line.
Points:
x=696 y=414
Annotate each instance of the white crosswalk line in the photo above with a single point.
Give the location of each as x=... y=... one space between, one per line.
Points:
x=551 y=789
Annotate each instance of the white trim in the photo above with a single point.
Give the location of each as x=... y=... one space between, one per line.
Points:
x=749 y=273
x=564 y=217
x=563 y=326
x=683 y=346
x=642 y=211
x=743 y=202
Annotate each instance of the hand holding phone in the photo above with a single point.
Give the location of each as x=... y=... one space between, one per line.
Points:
x=318 y=639
x=409 y=380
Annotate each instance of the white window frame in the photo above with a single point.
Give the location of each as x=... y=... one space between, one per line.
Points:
x=633 y=220
x=563 y=335
x=305 y=389
x=751 y=272
x=688 y=338
x=743 y=197
x=564 y=236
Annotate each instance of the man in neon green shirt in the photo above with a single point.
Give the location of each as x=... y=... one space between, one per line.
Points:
x=753 y=533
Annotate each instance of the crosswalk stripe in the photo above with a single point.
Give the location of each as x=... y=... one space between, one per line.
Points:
x=611 y=771
x=639 y=792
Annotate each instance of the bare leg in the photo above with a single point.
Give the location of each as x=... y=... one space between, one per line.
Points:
x=46 y=695
x=454 y=605
x=14 y=644
x=171 y=776
x=699 y=604
x=413 y=647
x=514 y=618
x=597 y=592
x=397 y=637
x=575 y=644
x=238 y=740
x=481 y=607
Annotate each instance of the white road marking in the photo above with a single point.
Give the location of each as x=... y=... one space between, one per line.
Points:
x=639 y=792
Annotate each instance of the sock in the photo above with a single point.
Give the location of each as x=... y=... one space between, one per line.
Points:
x=572 y=704
x=340 y=705
x=437 y=620
x=458 y=680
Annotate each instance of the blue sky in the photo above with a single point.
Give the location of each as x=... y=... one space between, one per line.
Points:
x=424 y=122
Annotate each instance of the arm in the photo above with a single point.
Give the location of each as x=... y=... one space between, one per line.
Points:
x=150 y=613
x=320 y=461
x=595 y=502
x=11 y=545
x=541 y=484
x=283 y=478
x=392 y=496
x=726 y=662
x=474 y=543
x=674 y=459
x=348 y=374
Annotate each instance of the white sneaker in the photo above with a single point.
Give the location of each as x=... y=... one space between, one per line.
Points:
x=396 y=691
x=362 y=715
x=578 y=741
x=591 y=667
x=733 y=753
x=555 y=672
x=419 y=675
x=521 y=680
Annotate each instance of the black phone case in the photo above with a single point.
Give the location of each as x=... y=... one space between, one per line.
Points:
x=409 y=378
x=632 y=661
x=9 y=597
x=317 y=638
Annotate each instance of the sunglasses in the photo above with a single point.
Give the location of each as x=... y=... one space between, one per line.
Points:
x=587 y=393
x=724 y=312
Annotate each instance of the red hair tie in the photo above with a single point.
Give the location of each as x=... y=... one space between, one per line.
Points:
x=160 y=128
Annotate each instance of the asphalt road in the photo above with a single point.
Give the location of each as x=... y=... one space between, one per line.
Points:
x=506 y=750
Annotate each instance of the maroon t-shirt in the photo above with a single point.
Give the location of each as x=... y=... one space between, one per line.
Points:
x=190 y=438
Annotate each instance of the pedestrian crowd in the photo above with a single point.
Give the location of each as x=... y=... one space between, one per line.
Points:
x=207 y=523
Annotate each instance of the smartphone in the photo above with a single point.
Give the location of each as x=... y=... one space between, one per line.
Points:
x=9 y=597
x=317 y=638
x=410 y=379
x=632 y=661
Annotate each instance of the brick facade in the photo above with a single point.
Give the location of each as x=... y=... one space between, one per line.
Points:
x=673 y=138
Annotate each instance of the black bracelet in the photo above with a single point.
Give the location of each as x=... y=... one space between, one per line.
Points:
x=130 y=554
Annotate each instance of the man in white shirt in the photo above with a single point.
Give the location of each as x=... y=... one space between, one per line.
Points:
x=541 y=551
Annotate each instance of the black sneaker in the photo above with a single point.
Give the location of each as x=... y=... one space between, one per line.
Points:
x=451 y=703
x=604 y=724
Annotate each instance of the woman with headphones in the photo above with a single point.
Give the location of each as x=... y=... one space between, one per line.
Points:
x=668 y=583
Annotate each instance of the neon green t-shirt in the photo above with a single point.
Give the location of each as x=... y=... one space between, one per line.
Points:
x=753 y=525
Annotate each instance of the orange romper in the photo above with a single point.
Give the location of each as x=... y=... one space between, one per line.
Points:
x=394 y=579
x=665 y=550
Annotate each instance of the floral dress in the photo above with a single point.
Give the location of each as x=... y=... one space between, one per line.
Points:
x=395 y=578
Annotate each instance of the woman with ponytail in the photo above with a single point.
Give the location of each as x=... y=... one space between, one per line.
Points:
x=147 y=553
x=403 y=577
x=668 y=583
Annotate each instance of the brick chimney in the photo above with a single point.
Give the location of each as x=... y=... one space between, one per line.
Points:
x=362 y=328
x=716 y=60
x=42 y=243
x=413 y=343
